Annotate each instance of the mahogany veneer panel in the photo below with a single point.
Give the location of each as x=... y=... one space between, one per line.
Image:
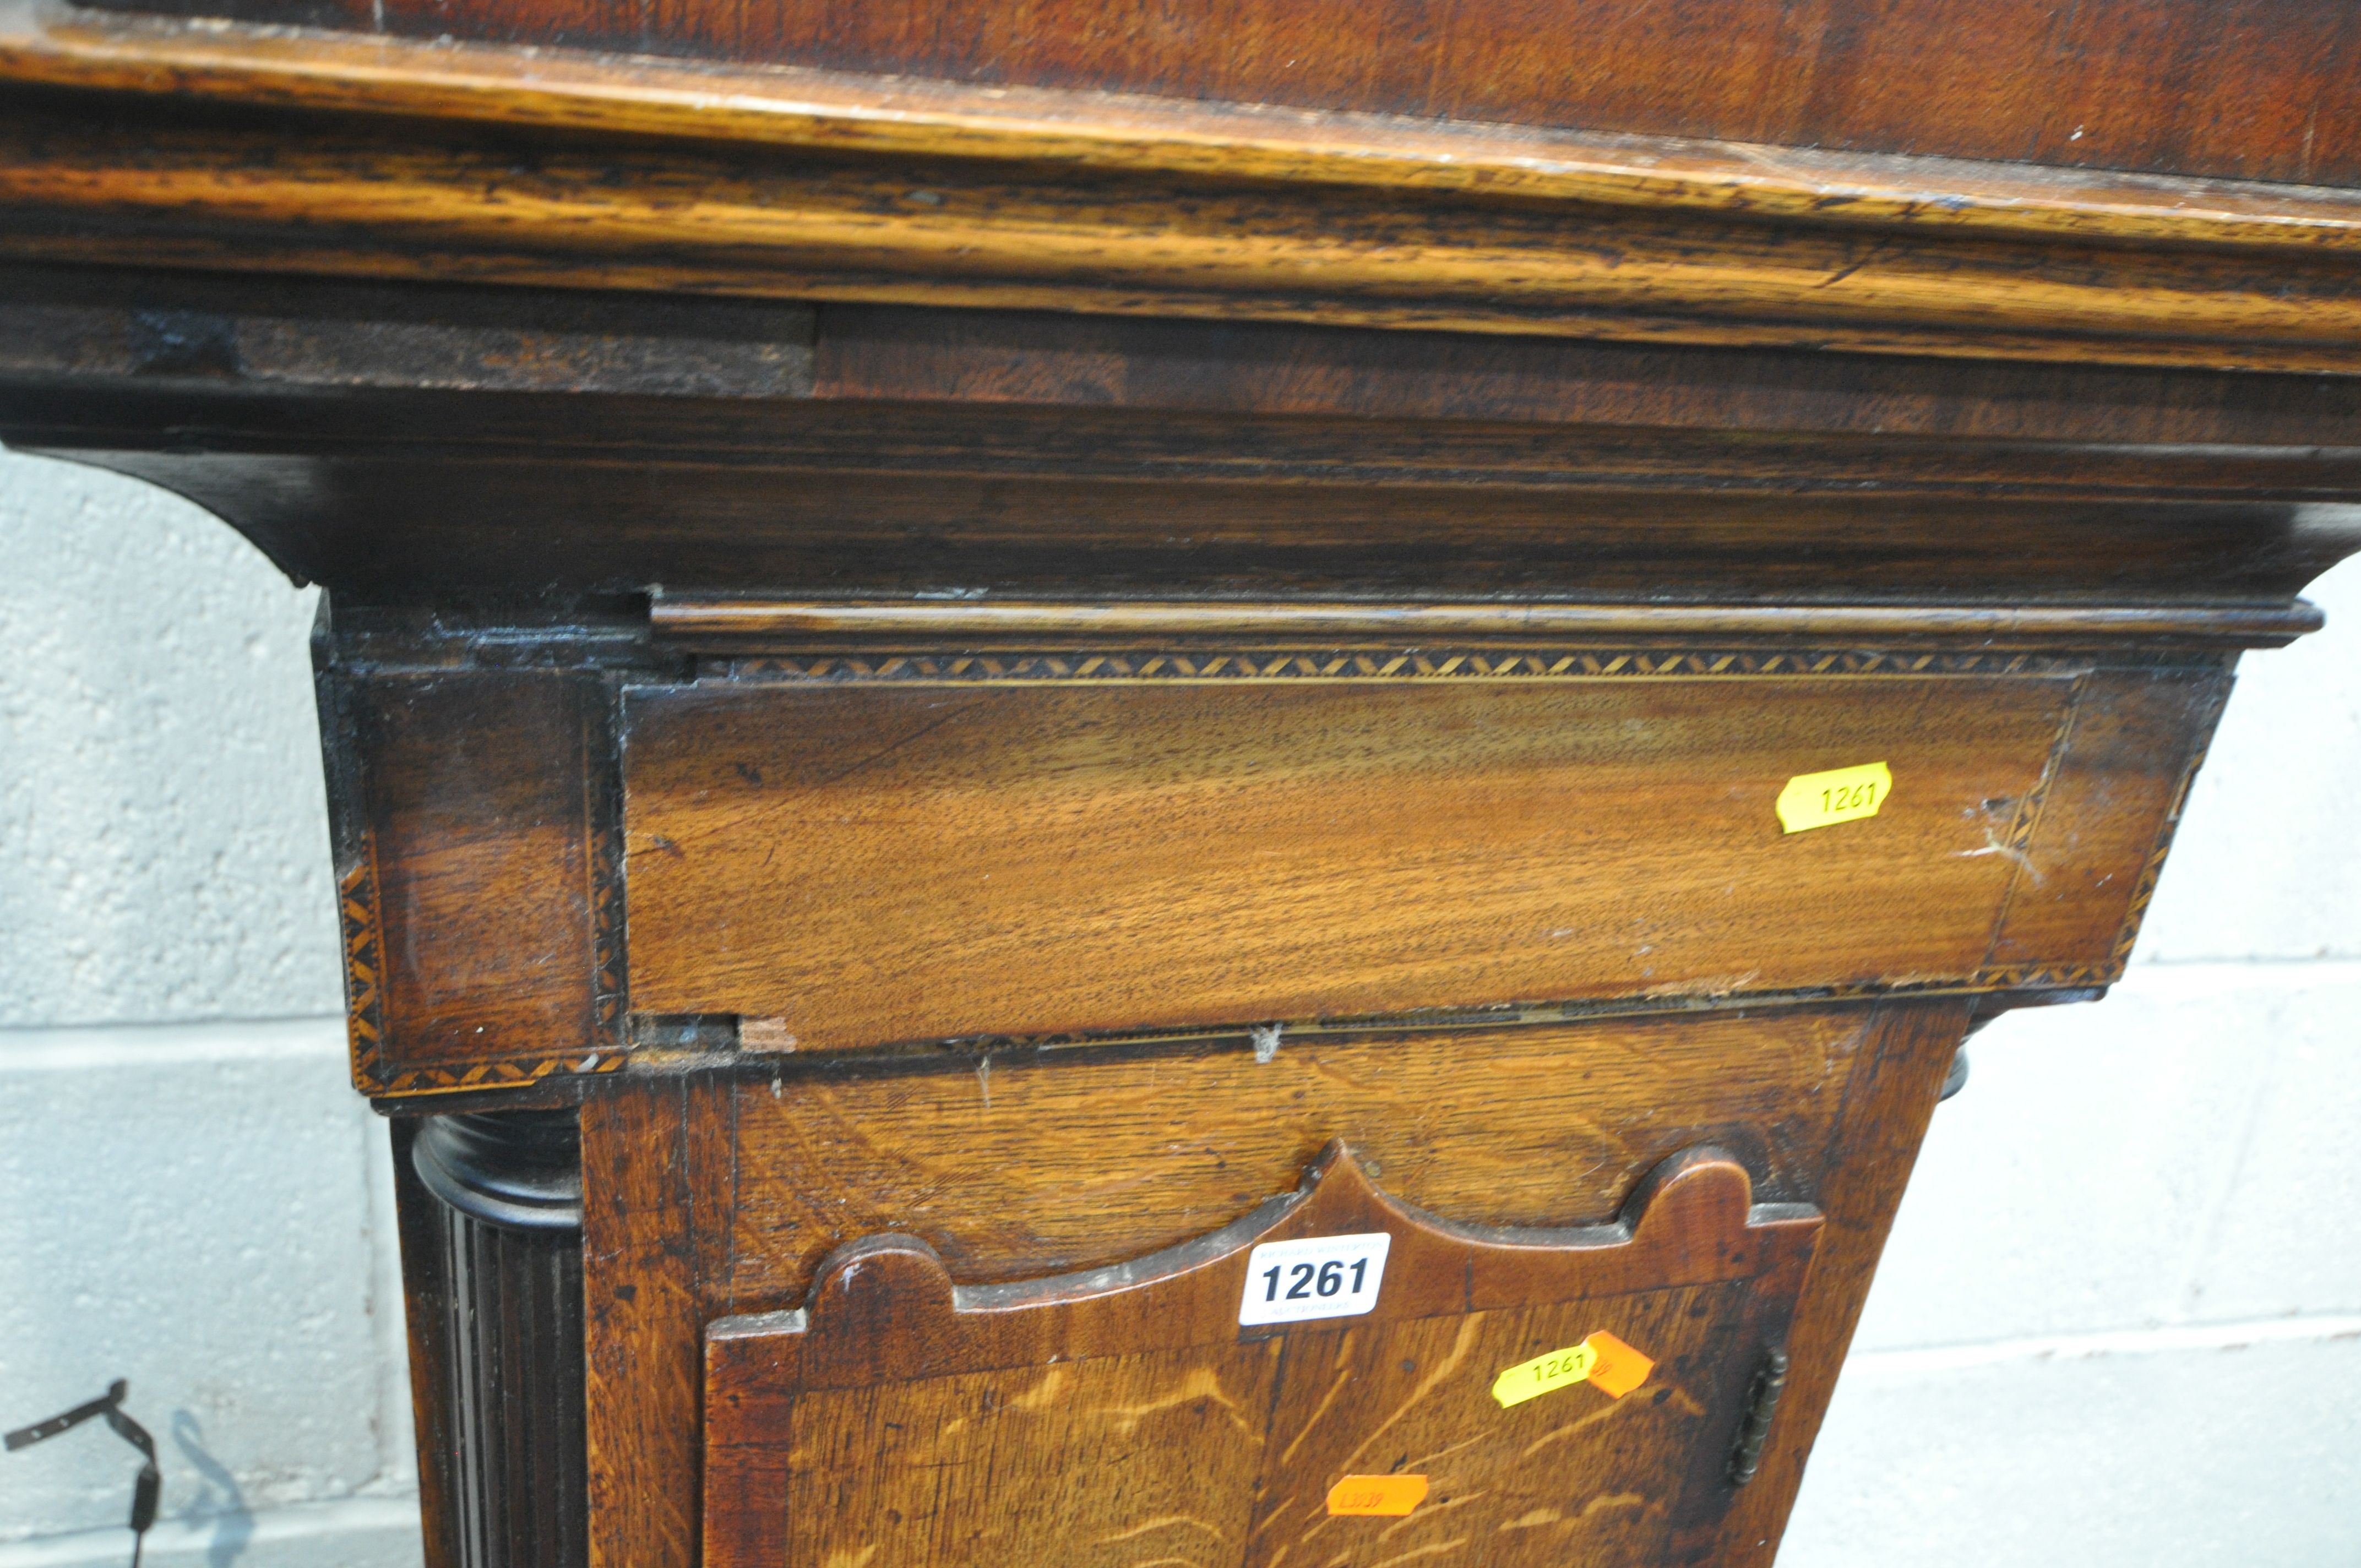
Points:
x=882 y=863
x=2257 y=89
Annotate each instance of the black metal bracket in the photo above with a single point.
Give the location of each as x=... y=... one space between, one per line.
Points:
x=108 y=1407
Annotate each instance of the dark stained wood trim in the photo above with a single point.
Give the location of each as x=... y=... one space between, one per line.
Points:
x=357 y=434
x=841 y=111
x=426 y=1302
x=864 y=198
x=2018 y=81
x=750 y=624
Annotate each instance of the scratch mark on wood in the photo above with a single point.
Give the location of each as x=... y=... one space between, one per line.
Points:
x=1167 y=1521
x=1604 y=1412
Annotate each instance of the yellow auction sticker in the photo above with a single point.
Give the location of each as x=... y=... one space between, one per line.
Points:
x=1602 y=1360
x=1532 y=1380
x=1377 y=1497
x=1841 y=795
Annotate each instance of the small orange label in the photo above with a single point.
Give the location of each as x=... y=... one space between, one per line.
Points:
x=1386 y=1496
x=1620 y=1368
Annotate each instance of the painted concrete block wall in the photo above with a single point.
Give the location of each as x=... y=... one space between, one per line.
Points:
x=190 y=1195
x=2120 y=1319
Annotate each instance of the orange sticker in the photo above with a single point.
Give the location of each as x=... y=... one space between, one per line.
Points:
x=1385 y=1496
x=1618 y=1368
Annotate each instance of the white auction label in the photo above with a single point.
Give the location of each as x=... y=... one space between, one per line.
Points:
x=1318 y=1277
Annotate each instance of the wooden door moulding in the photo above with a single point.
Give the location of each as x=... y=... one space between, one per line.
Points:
x=1692 y=1220
x=885 y=1316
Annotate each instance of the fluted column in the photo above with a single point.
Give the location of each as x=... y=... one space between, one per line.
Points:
x=493 y=1213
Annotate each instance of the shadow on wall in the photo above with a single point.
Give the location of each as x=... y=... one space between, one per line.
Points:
x=218 y=1499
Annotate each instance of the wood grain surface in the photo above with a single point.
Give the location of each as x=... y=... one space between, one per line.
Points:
x=1548 y=1126
x=802 y=105
x=1888 y=1107
x=1465 y=314
x=1101 y=1418
x=362 y=436
x=1017 y=1163
x=2112 y=804
x=2254 y=89
x=654 y=1217
x=871 y=864
x=709 y=1198
x=482 y=926
x=170 y=180
x=889 y=354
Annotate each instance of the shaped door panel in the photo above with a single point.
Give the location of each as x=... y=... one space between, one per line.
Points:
x=1125 y=1418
